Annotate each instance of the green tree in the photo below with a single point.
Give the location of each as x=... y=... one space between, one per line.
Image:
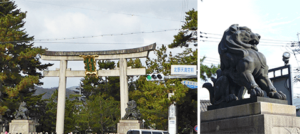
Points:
x=189 y=28
x=104 y=113
x=187 y=106
x=152 y=96
x=207 y=71
x=187 y=110
x=99 y=114
x=48 y=120
x=108 y=86
x=72 y=108
x=102 y=94
x=19 y=62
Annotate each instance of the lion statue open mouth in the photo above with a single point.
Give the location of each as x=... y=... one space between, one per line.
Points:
x=242 y=66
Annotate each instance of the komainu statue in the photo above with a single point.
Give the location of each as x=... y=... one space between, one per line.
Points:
x=23 y=112
x=243 y=68
x=132 y=113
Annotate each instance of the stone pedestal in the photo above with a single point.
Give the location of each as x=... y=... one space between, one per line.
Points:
x=22 y=126
x=252 y=118
x=125 y=125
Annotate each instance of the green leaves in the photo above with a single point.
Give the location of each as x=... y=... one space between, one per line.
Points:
x=102 y=113
x=207 y=71
x=152 y=96
x=190 y=24
x=101 y=109
x=19 y=63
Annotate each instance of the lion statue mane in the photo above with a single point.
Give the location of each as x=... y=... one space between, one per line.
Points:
x=243 y=68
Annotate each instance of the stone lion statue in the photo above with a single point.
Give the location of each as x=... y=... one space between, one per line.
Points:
x=243 y=68
x=23 y=112
x=132 y=113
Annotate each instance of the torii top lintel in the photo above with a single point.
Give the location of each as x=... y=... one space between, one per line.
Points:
x=110 y=54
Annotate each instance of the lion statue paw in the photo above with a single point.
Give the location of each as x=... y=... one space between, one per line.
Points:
x=277 y=95
x=231 y=97
x=256 y=92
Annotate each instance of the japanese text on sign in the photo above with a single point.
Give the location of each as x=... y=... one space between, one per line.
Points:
x=183 y=69
x=190 y=84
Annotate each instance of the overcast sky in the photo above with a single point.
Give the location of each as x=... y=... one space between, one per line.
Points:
x=58 y=19
x=273 y=20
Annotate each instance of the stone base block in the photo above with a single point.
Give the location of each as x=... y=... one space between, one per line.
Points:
x=254 y=124
x=249 y=109
x=253 y=118
x=22 y=126
x=125 y=125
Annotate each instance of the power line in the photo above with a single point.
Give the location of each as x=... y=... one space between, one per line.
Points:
x=261 y=41
x=257 y=45
x=201 y=32
x=209 y=63
x=87 y=43
x=213 y=61
x=104 y=11
x=210 y=59
x=84 y=37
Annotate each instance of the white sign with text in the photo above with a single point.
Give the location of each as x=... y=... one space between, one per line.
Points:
x=183 y=69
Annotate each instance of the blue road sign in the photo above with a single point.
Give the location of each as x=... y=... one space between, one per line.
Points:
x=190 y=84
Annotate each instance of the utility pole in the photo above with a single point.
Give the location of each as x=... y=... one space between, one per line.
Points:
x=172 y=118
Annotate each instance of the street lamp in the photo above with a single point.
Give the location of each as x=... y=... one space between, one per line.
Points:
x=285 y=57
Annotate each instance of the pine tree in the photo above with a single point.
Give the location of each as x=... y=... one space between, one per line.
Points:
x=105 y=113
x=103 y=99
x=72 y=107
x=101 y=109
x=152 y=96
x=207 y=72
x=48 y=120
x=187 y=106
x=19 y=61
x=189 y=28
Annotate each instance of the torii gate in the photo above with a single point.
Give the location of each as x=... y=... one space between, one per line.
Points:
x=123 y=72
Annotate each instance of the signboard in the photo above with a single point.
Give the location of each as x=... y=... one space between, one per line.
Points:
x=90 y=64
x=190 y=84
x=183 y=69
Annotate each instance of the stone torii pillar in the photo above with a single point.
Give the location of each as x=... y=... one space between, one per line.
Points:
x=123 y=72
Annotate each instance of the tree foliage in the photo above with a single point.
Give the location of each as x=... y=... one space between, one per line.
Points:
x=48 y=120
x=101 y=114
x=152 y=96
x=189 y=28
x=207 y=71
x=19 y=64
x=101 y=108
